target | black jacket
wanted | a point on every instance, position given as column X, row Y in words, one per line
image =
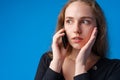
column 104, row 69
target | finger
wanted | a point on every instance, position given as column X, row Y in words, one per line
column 59, row 34
column 93, row 37
column 60, row 31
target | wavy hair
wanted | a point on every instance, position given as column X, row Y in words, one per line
column 101, row 44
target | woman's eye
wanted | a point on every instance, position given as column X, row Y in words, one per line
column 69, row 21
column 86, row 22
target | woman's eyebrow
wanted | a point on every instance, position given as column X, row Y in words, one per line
column 84, row 17
column 69, row 18
column 87, row 17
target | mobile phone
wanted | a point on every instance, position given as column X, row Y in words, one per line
column 65, row 41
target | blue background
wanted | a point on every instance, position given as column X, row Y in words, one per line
column 26, row 30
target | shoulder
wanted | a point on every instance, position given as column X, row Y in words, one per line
column 46, row 57
column 112, row 61
column 109, row 65
column 115, row 63
column 110, row 68
column 113, row 68
column 43, row 65
column 112, row 65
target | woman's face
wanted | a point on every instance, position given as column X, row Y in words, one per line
column 79, row 23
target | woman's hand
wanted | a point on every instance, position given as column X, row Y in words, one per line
column 84, row 53
column 59, row 52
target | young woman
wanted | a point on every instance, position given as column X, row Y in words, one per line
column 82, row 57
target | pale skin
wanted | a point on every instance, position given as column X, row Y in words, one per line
column 81, row 30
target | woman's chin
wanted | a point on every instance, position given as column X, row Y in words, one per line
column 77, row 46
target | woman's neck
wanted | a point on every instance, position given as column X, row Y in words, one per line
column 73, row 54
column 92, row 58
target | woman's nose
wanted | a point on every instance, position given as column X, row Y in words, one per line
column 77, row 28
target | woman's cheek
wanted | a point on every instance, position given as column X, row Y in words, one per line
column 88, row 33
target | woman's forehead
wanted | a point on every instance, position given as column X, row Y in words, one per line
column 78, row 9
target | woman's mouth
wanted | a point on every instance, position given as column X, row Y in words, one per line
column 77, row 39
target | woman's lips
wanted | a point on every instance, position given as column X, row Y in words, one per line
column 77, row 39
